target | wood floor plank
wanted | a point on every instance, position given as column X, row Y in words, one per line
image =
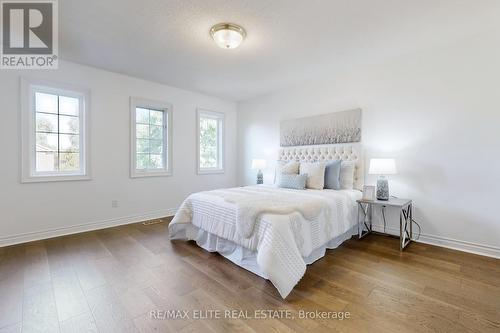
column 457, row 300
column 195, row 327
column 58, row 256
column 69, row 296
column 136, row 301
column 88, row 274
column 145, row 324
column 13, row 261
column 37, row 266
column 432, row 311
column 11, row 299
column 218, row 273
column 39, row 309
column 109, row 314
column 111, row 280
column 151, row 238
column 83, row 323
column 199, row 300
column 165, row 298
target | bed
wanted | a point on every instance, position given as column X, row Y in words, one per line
column 278, row 244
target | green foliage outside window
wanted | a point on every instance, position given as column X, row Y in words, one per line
column 208, row 143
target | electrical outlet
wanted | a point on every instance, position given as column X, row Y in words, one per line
column 114, row 204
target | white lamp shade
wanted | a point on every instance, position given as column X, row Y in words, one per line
column 258, row 164
column 382, row 166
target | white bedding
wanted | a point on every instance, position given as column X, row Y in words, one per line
column 253, row 202
column 281, row 241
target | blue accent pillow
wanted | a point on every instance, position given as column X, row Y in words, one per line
column 332, row 175
column 297, row 182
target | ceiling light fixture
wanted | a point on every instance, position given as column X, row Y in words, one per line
column 227, row 35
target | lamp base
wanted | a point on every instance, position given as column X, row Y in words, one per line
column 382, row 188
column 260, row 178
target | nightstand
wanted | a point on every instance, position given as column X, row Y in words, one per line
column 365, row 217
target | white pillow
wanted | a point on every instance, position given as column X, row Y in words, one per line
column 347, row 175
column 315, row 174
column 287, row 168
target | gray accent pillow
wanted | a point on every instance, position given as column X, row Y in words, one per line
column 297, row 182
column 332, row 174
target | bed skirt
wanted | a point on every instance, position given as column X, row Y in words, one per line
column 242, row 256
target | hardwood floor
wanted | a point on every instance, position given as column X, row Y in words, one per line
column 110, row 280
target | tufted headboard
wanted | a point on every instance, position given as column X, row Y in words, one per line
column 345, row 152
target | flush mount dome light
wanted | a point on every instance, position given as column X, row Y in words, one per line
column 227, row 35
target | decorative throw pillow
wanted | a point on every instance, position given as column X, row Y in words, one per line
column 297, row 182
column 332, row 174
column 347, row 175
column 285, row 168
column 316, row 174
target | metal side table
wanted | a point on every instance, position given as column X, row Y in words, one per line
column 365, row 217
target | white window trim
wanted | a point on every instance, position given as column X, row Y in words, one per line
column 28, row 137
column 167, row 140
column 221, row 117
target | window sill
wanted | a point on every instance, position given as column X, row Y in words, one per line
column 210, row 171
column 145, row 174
column 46, row 179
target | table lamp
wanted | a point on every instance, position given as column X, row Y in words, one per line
column 382, row 167
column 259, row 164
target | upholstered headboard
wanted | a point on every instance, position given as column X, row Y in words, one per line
column 345, row 152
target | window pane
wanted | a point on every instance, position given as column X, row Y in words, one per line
column 208, row 143
column 46, row 142
column 69, row 106
column 69, row 124
column 142, row 131
column 149, row 132
column 156, row 146
column 142, row 146
column 45, row 103
column 69, row 161
column 156, row 162
column 69, row 143
column 142, row 116
column 57, row 131
column 46, row 161
column 156, row 117
column 142, row 161
column 46, row 122
column 156, row 132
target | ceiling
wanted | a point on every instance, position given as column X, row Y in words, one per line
column 288, row 41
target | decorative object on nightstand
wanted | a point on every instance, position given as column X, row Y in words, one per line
column 368, row 192
column 259, row 164
column 382, row 167
column 405, row 206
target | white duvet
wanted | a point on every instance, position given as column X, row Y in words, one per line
column 252, row 202
column 282, row 226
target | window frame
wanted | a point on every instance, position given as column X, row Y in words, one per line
column 167, row 138
column 221, row 146
column 29, row 174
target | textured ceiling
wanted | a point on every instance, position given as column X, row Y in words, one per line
column 288, row 41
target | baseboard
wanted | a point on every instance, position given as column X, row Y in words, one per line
column 454, row 244
column 74, row 229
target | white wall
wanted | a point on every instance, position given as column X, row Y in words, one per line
column 30, row 211
column 437, row 112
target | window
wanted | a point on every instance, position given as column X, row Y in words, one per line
column 210, row 142
column 55, row 132
column 151, row 138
